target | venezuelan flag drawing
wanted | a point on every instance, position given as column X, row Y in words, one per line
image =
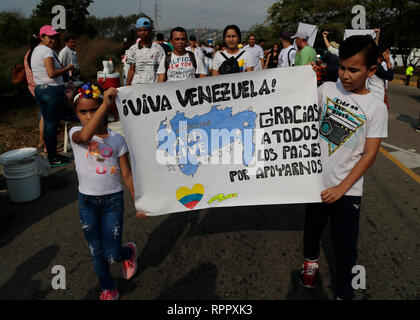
column 190, row 197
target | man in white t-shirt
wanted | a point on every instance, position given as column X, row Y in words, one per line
column 145, row 56
column 288, row 53
column 256, row 51
column 180, row 64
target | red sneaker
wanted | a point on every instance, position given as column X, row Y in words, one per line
column 308, row 275
column 129, row 267
column 109, row 295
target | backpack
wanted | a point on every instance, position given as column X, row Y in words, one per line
column 19, row 74
column 230, row 65
column 288, row 57
column 169, row 56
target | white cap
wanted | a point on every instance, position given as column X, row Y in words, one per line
column 301, row 35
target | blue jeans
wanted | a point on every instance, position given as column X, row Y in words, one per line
column 51, row 102
column 102, row 220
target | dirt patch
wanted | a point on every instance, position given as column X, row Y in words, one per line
column 19, row 128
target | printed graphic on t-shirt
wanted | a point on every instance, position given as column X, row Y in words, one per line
column 100, row 158
column 339, row 123
column 181, row 68
column 241, row 63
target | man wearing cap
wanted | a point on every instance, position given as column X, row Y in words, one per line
column 306, row 54
column 288, row 53
column 145, row 56
column 208, row 54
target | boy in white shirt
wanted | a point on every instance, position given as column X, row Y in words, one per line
column 352, row 123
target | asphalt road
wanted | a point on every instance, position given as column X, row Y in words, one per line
column 232, row 253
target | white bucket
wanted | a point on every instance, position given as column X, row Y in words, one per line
column 21, row 173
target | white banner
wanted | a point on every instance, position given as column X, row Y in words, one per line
column 357, row 32
column 234, row 140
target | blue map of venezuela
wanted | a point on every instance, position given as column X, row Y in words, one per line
column 202, row 136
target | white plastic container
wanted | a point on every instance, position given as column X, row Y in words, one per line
column 22, row 174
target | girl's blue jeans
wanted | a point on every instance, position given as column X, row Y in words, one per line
column 102, row 221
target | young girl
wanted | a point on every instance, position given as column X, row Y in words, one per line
column 101, row 161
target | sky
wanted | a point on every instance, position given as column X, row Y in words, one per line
column 186, row 13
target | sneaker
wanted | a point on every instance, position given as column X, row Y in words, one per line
column 129, row 267
column 308, row 275
column 109, row 295
column 418, row 129
column 59, row 160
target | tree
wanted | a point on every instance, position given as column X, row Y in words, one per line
column 398, row 20
column 12, row 22
column 115, row 28
column 76, row 13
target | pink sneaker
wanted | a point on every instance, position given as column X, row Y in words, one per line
column 129, row 267
column 109, row 295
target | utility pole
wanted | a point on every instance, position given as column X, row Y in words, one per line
column 158, row 11
column 139, row 6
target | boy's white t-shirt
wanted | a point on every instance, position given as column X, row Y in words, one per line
column 38, row 67
column 346, row 121
column 181, row 67
column 285, row 55
column 97, row 165
column 246, row 60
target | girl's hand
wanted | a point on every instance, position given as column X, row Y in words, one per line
column 70, row 67
column 325, row 33
column 141, row 214
column 386, row 56
column 109, row 96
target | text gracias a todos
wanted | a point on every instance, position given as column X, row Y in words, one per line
column 279, row 115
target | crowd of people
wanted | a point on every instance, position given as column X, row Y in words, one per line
column 357, row 71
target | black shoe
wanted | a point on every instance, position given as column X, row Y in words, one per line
column 59, row 160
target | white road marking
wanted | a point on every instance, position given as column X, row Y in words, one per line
column 406, row 157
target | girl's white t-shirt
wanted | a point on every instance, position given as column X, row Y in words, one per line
column 245, row 60
column 97, row 165
column 38, row 67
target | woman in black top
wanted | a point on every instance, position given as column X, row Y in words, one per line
column 273, row 57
